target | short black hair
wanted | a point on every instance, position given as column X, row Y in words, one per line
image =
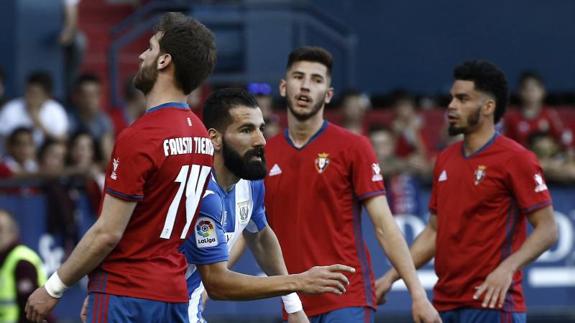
column 530, row 75
column 487, row 78
column 86, row 78
column 217, row 107
column 11, row 139
column 311, row 54
column 42, row 79
column 192, row 47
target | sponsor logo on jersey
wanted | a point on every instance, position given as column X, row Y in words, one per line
column 480, row 174
column 276, row 170
column 442, row 176
column 376, row 173
column 244, row 208
column 206, row 233
column 540, row 185
column 321, row 162
column 115, row 164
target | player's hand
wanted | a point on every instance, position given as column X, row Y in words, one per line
column 39, row 305
column 298, row 317
column 424, row 312
column 84, row 311
column 382, row 287
column 495, row 287
column 325, row 279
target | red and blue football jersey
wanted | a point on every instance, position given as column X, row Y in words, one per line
column 481, row 202
column 313, row 202
column 162, row 162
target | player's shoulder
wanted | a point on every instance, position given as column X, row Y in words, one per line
column 345, row 138
column 257, row 186
column 510, row 146
column 212, row 204
column 450, row 150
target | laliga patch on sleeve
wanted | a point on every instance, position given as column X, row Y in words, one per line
column 206, row 233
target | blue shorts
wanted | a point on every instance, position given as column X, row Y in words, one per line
column 472, row 315
column 346, row 315
column 104, row 308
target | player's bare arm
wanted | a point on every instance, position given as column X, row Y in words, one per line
column 224, row 284
column 96, row 244
column 544, row 235
column 422, row 251
column 393, row 242
column 267, row 251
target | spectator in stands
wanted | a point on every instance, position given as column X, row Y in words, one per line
column 36, row 110
column 556, row 164
column 84, row 158
column 407, row 126
column 354, row 104
column 52, row 158
column 21, row 158
column 263, row 94
column 21, row 271
column 533, row 116
column 88, row 115
column 403, row 188
column 73, row 42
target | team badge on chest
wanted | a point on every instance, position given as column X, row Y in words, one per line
column 244, row 211
column 321, row 162
column 480, row 174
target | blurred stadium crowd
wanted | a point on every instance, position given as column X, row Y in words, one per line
column 61, row 145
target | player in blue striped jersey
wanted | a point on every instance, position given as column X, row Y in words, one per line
column 233, row 206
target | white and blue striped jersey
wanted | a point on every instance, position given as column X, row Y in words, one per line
column 222, row 218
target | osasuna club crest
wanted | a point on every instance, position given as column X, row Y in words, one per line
column 321, row 162
column 480, row 174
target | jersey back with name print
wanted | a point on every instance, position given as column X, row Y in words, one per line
column 162, row 162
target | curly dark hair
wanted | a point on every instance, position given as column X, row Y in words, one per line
column 487, row 78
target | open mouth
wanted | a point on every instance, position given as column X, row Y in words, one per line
column 303, row 100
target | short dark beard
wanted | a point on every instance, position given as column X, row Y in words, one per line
column 472, row 121
column 145, row 79
column 305, row 116
column 242, row 166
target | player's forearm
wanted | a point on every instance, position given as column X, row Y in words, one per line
column 397, row 251
column 267, row 251
column 230, row 285
column 87, row 255
column 422, row 251
column 543, row 236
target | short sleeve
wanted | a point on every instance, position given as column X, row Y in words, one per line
column 258, row 220
column 526, row 181
column 366, row 174
column 129, row 168
column 207, row 245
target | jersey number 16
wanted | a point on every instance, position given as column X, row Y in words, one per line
column 194, row 185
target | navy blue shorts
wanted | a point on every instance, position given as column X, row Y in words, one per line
column 472, row 315
column 346, row 315
column 103, row 308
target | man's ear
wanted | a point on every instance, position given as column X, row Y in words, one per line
column 216, row 137
column 164, row 61
column 329, row 95
column 282, row 88
column 489, row 106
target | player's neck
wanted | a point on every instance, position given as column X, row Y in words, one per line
column 224, row 177
column 301, row 131
column 163, row 93
column 474, row 141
